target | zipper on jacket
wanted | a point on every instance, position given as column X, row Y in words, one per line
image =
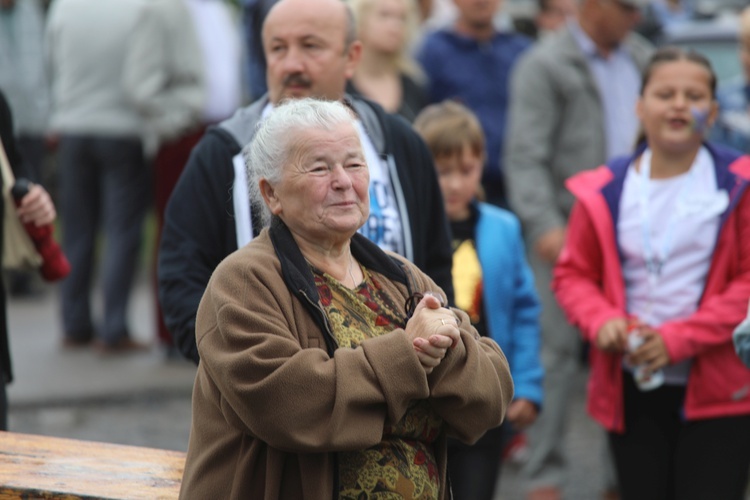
column 331, row 347
column 398, row 190
column 411, row 281
column 327, row 331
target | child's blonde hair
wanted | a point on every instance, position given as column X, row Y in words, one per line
column 447, row 127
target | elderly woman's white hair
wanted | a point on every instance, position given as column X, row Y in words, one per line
column 273, row 143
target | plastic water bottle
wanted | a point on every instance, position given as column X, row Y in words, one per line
column 643, row 379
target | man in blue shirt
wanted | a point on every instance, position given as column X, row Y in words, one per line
column 470, row 61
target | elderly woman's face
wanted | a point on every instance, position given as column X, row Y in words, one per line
column 323, row 191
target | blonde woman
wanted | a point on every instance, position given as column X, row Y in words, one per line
column 386, row 73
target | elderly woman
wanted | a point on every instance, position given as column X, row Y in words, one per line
column 322, row 375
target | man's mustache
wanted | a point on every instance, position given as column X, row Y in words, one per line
column 297, row 79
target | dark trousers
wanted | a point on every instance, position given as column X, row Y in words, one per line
column 474, row 469
column 663, row 457
column 105, row 185
column 168, row 166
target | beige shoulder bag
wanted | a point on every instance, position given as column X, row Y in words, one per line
column 19, row 252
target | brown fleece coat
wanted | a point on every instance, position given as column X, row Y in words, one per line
column 271, row 407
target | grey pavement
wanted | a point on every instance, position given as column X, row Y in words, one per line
column 144, row 400
column 137, row 399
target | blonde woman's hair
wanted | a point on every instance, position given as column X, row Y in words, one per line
column 403, row 60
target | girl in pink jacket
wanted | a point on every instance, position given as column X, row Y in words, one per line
column 658, row 247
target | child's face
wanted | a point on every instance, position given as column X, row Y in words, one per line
column 459, row 177
column 677, row 106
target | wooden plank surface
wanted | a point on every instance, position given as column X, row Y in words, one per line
column 56, row 468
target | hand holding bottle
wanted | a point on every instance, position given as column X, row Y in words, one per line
column 647, row 355
column 613, row 335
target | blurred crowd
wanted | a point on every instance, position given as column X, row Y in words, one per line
column 112, row 99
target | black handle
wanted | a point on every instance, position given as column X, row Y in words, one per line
column 20, row 188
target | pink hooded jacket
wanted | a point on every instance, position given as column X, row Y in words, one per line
column 589, row 286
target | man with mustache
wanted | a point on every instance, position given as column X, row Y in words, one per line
column 311, row 51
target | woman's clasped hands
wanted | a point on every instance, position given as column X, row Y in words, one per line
column 433, row 330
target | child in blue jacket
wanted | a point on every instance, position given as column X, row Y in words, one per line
column 492, row 283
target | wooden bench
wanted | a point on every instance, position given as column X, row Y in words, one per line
column 41, row 467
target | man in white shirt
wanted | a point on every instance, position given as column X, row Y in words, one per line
column 183, row 74
column 104, row 180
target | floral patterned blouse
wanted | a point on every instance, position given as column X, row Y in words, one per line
column 403, row 464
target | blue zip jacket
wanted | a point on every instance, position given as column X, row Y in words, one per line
column 511, row 305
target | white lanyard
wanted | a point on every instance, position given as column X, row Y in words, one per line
column 655, row 258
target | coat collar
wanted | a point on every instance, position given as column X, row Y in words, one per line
column 732, row 170
column 300, row 281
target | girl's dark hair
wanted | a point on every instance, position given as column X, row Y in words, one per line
column 671, row 54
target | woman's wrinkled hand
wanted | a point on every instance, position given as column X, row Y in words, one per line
column 613, row 336
column 36, row 207
column 431, row 351
column 433, row 330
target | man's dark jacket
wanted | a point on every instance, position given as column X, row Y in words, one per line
column 200, row 225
